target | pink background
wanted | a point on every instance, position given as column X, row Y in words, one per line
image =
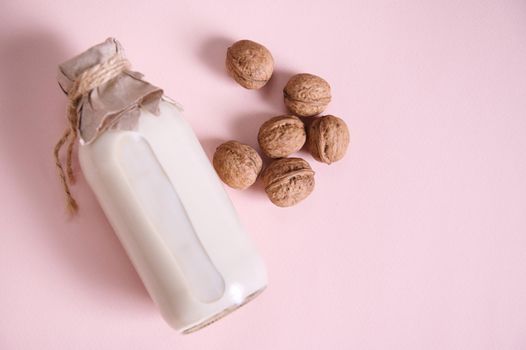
column 416, row 240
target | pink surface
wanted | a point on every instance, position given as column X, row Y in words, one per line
column 416, row 240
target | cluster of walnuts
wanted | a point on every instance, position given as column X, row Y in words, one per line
column 287, row 181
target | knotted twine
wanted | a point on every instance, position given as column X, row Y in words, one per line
column 88, row 80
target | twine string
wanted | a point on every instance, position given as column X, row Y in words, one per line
column 87, row 81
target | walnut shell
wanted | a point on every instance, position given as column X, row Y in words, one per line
column 249, row 63
column 328, row 139
column 237, row 164
column 281, row 136
column 306, row 94
column 288, row 181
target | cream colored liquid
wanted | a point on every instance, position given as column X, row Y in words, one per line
column 174, row 218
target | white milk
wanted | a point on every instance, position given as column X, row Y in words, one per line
column 173, row 217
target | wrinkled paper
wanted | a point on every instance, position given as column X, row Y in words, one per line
column 114, row 104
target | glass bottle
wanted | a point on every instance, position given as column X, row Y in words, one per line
column 162, row 197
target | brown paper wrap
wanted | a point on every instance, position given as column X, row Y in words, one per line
column 114, row 104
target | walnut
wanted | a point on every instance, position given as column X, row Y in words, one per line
column 249, row 63
column 281, row 136
column 237, row 164
column 307, row 95
column 328, row 138
column 288, row 181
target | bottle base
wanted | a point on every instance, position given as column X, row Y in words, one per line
column 223, row 313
